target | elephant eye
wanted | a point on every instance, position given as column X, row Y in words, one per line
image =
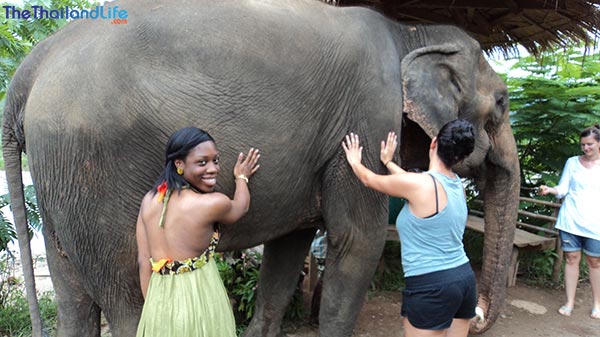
column 502, row 101
column 456, row 84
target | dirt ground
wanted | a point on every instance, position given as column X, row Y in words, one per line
column 528, row 312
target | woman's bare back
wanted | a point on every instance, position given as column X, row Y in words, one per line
column 188, row 226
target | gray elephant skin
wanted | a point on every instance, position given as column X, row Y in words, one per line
column 94, row 104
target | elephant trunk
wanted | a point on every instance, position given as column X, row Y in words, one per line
column 501, row 201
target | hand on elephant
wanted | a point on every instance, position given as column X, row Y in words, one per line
column 353, row 149
column 248, row 166
column 388, row 148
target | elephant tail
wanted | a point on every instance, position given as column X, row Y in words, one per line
column 13, row 144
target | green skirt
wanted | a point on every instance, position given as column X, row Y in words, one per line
column 194, row 303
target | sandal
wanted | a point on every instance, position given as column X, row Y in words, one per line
column 595, row 314
column 565, row 311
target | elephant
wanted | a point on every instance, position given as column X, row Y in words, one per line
column 92, row 106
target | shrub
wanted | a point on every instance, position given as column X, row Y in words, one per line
column 14, row 310
column 239, row 271
column 7, row 232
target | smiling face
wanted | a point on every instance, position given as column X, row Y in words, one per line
column 590, row 146
column 201, row 166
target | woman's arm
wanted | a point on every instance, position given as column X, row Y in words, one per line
column 563, row 185
column 386, row 155
column 143, row 254
column 394, row 168
column 565, row 179
column 243, row 170
column 232, row 210
column 400, row 184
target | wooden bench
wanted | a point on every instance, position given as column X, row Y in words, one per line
column 527, row 236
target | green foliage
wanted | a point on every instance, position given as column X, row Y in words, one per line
column 14, row 311
column 538, row 266
column 537, row 209
column 552, row 100
column 7, row 231
column 14, row 317
column 559, row 97
column 473, row 243
column 239, row 271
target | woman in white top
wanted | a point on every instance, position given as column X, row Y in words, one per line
column 578, row 219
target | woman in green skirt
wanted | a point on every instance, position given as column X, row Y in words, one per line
column 177, row 234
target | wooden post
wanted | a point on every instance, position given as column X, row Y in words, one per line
column 513, row 267
column 558, row 249
column 558, row 262
column 312, row 272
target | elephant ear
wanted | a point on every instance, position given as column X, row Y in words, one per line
column 432, row 86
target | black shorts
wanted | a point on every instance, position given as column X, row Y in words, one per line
column 432, row 300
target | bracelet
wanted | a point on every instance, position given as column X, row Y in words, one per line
column 242, row 176
column 386, row 164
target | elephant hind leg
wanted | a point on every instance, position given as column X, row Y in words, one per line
column 78, row 319
column 123, row 307
column 124, row 327
column 78, row 314
column 282, row 263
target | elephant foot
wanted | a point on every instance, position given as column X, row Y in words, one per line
column 255, row 330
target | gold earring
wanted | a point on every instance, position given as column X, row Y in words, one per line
column 180, row 171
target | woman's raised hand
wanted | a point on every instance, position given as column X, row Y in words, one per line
column 388, row 148
column 247, row 166
column 353, row 149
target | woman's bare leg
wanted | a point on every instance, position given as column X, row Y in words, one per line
column 459, row 328
column 411, row 331
column 571, row 278
column 594, row 266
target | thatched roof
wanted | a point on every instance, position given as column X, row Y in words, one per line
column 501, row 24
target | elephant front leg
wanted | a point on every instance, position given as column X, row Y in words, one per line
column 282, row 263
column 346, row 280
column 356, row 230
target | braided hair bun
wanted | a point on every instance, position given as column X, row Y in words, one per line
column 456, row 141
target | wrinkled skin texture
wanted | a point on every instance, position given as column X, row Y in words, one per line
column 93, row 106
